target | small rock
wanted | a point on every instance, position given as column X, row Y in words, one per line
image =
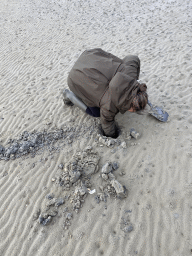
column 104, row 176
column 106, row 168
column 123, row 144
column 102, row 140
column 12, row 150
column 81, row 190
column 12, row 157
column 129, row 138
column 110, row 143
column 24, row 146
column 59, row 202
column 65, row 209
column 134, row 134
column 41, row 219
column 120, row 190
column 61, row 166
column 115, row 166
column 88, row 148
column 97, row 198
column 77, row 204
column 36, row 215
column 2, row 149
column 101, row 188
column 53, row 212
column 128, row 229
column 122, row 173
column 69, row 216
column 111, row 176
column 44, row 221
column 50, row 196
column 101, row 196
column 44, row 215
column 74, row 176
column 51, row 202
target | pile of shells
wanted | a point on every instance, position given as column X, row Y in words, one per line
column 111, row 187
column 74, row 179
column 49, row 209
column 82, row 165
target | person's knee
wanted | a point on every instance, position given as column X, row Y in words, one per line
column 136, row 59
column 130, row 59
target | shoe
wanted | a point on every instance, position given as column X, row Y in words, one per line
column 66, row 100
column 70, row 98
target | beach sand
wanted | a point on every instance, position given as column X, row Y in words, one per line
column 39, row 43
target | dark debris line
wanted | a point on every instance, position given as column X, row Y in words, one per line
column 31, row 143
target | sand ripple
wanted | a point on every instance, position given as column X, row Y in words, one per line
column 40, row 41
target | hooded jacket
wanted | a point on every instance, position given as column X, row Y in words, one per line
column 100, row 79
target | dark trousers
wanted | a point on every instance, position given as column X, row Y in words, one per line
column 95, row 111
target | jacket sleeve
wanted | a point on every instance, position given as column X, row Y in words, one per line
column 108, row 122
column 108, row 112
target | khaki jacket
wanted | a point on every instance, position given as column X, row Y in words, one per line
column 103, row 80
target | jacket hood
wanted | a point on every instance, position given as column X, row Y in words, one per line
column 123, row 89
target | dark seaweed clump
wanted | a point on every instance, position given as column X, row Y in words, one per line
column 31, row 143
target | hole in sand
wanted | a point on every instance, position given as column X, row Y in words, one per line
column 101, row 252
column 101, row 132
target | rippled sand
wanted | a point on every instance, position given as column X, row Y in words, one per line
column 40, row 41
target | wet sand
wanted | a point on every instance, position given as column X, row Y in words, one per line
column 40, row 41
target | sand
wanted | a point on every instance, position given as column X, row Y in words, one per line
column 40, row 41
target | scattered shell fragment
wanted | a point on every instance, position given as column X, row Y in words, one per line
column 104, row 176
column 123, row 145
column 120, row 190
column 134, row 134
column 107, row 168
column 92, row 191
